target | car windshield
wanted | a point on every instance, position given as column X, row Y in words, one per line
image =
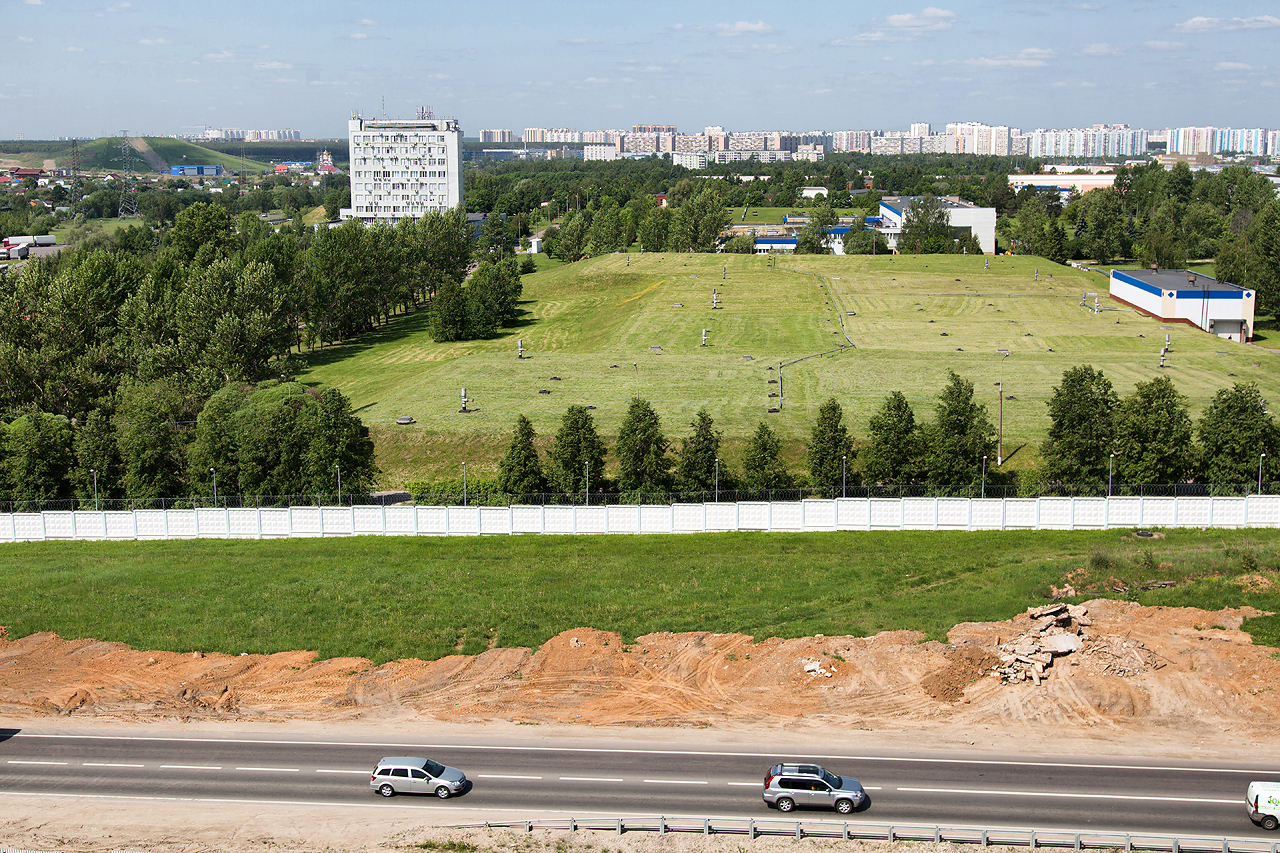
column 832, row 780
column 436, row 770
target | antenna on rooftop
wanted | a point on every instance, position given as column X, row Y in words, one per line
column 425, row 114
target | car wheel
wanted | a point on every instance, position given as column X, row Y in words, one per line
column 1270, row 822
column 442, row 792
column 844, row 806
column 386, row 791
column 786, row 804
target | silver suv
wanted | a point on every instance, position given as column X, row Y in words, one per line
column 787, row 786
column 417, row 776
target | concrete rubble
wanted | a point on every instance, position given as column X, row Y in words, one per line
column 1056, row 630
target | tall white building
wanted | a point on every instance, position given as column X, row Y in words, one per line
column 403, row 168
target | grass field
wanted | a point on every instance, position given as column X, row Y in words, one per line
column 387, row 598
column 915, row 318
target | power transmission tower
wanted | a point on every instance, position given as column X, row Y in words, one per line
column 77, row 188
column 128, row 185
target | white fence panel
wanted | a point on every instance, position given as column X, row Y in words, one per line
column 886, row 514
column 953, row 513
column 1159, row 512
column 1021, row 513
column 463, row 520
column 787, row 516
column 368, row 520
column 276, row 522
column 211, row 523
column 987, row 514
column 119, row 525
column 336, row 521
column 655, row 519
column 688, row 518
column 1264, row 511
column 91, row 525
column 919, row 513
column 242, row 523
column 1055, row 513
column 28, row 526
column 592, row 519
column 60, row 524
column 818, row 515
column 1192, row 512
column 526, row 519
column 1227, row 512
column 722, row 516
column 180, row 524
column 1124, row 512
column 754, row 515
column 6, row 527
column 1089, row 513
column 305, row 521
column 432, row 521
column 399, row 520
column 495, row 520
column 153, row 523
column 853, row 513
column 557, row 519
column 624, row 519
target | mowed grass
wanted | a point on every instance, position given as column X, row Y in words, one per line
column 389, row 598
column 594, row 324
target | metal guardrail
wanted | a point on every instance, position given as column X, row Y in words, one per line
column 1030, row 838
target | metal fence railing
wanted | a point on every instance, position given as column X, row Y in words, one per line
column 1004, row 837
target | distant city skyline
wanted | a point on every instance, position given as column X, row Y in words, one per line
column 97, row 68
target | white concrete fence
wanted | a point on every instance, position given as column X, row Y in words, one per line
column 789, row 516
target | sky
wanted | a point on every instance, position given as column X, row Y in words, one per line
column 149, row 68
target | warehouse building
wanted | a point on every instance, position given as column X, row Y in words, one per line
column 1182, row 296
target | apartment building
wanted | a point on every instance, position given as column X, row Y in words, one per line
column 403, row 168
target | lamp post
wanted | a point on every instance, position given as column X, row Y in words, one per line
column 586, row 483
column 215, row 487
column 717, row 479
column 464, row 484
column 1111, row 467
column 94, row 472
column 844, row 476
column 1260, row 458
column 984, row 476
column 636, row 365
column 1004, row 353
column 339, row 472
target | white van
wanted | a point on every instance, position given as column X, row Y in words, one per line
column 1263, row 802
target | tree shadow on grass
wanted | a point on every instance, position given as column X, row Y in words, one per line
column 398, row 329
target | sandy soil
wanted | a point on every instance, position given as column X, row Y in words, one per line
column 1147, row 681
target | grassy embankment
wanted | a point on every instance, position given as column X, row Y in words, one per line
column 583, row 319
column 387, row 598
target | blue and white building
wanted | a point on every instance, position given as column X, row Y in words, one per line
column 1182, row 296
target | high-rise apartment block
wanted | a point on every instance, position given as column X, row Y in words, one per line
column 403, row 168
column 497, row 136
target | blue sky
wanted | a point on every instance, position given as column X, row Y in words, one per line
column 94, row 68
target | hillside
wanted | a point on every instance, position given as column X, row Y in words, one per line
column 104, row 153
column 594, row 325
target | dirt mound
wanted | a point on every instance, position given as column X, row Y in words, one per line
column 1173, row 670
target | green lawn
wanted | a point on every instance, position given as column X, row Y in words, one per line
column 775, row 214
column 593, row 324
column 387, row 598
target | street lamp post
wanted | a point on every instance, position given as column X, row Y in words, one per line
column 215, row 487
column 717, row 479
column 1004, row 353
column 1111, row 467
column 984, row 476
column 464, row 484
column 1260, row 458
column 94, row 472
column 586, row 484
column 844, row 476
column 636, row 365
column 339, row 472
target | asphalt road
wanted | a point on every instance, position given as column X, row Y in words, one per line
column 535, row 779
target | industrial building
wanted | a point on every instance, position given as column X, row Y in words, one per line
column 403, row 168
column 964, row 216
column 1182, row 296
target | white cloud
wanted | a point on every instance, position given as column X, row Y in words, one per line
column 153, row 41
column 26, row 39
column 1101, row 49
column 931, row 19
column 33, row 2
column 1223, row 25
column 111, row 10
column 728, row 30
column 1163, row 45
column 358, row 36
column 73, row 50
column 272, row 66
column 220, row 56
column 1232, row 66
column 1031, row 57
column 368, row 23
column 864, row 38
column 187, row 80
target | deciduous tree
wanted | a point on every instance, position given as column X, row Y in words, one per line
column 643, row 464
column 1153, row 435
column 1081, row 427
column 830, row 448
column 520, row 471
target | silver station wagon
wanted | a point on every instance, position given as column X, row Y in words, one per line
column 417, row 776
column 791, row 786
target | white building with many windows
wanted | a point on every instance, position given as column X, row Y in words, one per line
column 403, row 168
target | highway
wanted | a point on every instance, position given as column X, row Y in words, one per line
column 534, row 779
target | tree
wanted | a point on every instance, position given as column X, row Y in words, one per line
column 335, row 439
column 959, row 437
column 37, row 457
column 643, row 464
column 830, row 447
column 202, row 226
column 151, row 429
column 449, row 313
column 1153, row 435
column 895, row 449
column 813, row 237
column 926, row 227
column 520, row 471
column 762, row 467
column 696, row 468
column 577, row 447
column 1235, row 431
column 860, row 241
column 652, row 234
column 94, row 444
column 1081, row 427
column 742, row 244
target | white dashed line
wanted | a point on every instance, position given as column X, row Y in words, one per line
column 1067, row 795
column 100, row 764
column 361, row 772
column 501, row 776
column 587, row 779
column 17, row 761
column 187, row 767
column 674, row 782
column 745, row 784
column 270, row 769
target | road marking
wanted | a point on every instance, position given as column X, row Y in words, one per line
column 103, row 764
column 1064, row 795
column 1269, row 772
column 16, row 761
column 587, row 779
column 187, row 767
column 745, row 784
column 270, row 769
column 361, row 772
column 502, row 776
column 674, row 782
